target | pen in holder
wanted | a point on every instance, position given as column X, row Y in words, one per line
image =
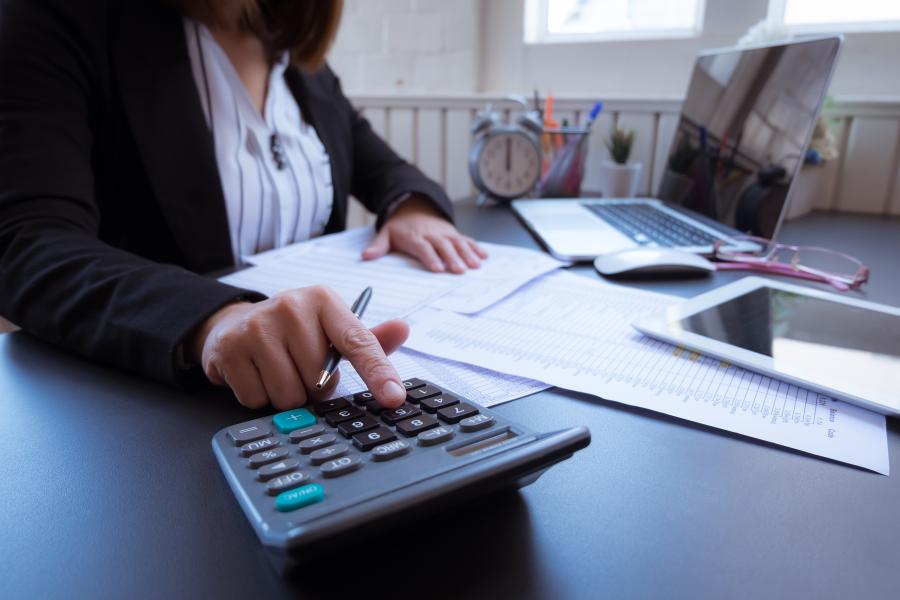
column 564, row 153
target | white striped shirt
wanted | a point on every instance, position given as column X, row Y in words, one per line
column 267, row 206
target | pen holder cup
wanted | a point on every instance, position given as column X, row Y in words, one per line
column 564, row 151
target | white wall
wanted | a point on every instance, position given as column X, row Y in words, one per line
column 869, row 66
column 408, row 46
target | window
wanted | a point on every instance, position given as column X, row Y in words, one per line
column 825, row 16
column 602, row 20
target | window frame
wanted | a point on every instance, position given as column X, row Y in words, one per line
column 775, row 15
column 538, row 32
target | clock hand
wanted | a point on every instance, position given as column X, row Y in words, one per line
column 508, row 154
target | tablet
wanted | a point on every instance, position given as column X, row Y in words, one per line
column 837, row 345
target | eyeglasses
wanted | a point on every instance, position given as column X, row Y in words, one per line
column 842, row 271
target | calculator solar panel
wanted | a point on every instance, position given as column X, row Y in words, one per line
column 338, row 467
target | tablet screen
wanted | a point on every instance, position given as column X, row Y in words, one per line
column 841, row 346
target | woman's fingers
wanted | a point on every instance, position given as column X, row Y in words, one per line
column 280, row 377
column 447, row 251
column 359, row 345
column 420, row 248
column 244, row 380
column 465, row 250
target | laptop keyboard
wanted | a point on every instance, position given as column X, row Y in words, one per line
column 647, row 225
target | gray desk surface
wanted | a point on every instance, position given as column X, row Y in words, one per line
column 108, row 488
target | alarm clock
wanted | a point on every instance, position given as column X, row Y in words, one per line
column 505, row 159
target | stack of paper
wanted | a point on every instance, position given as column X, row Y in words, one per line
column 574, row 332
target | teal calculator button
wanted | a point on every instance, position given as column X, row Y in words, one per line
column 299, row 497
column 290, row 420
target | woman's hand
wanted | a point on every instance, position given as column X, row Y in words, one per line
column 273, row 351
column 417, row 228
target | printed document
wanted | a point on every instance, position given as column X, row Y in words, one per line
column 574, row 332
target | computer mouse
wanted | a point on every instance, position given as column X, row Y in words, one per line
column 653, row 261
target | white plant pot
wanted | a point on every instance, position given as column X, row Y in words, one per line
column 619, row 181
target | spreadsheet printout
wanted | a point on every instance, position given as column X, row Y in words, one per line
column 400, row 282
column 575, row 333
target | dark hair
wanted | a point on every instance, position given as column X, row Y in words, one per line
column 305, row 28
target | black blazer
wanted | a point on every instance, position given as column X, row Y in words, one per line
column 110, row 198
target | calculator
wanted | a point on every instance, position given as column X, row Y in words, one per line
column 316, row 475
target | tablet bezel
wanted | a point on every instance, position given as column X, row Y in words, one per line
column 664, row 327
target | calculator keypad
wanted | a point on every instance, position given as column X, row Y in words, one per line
column 330, row 439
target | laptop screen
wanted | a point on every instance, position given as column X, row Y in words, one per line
column 744, row 129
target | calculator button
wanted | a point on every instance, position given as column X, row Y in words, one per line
column 435, row 436
column 364, row 423
column 285, row 482
column 411, row 384
column 398, row 414
column 433, row 404
column 306, row 433
column 420, row 393
column 341, row 466
column 325, row 406
column 314, row 443
column 275, row 469
column 369, row 439
column 259, row 446
column 363, row 397
column 269, row 456
column 345, row 414
column 374, row 407
column 324, row 454
column 241, row 434
column 416, row 425
column 390, row 450
column 300, row 497
column 290, row 420
column 476, row 423
column 457, row 412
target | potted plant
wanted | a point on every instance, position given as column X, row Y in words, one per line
column 675, row 184
column 617, row 178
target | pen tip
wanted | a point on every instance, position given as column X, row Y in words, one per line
column 324, row 376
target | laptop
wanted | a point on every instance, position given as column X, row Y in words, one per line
column 741, row 138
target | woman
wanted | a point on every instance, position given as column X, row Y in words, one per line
column 144, row 142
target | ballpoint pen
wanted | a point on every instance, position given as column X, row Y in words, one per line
column 334, row 357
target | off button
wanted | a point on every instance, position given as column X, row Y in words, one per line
column 300, row 497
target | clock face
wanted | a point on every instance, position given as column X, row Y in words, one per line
column 509, row 164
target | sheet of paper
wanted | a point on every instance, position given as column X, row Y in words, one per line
column 575, row 333
column 487, row 388
column 401, row 283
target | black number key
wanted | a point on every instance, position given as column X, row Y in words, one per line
column 404, row 411
column 457, row 412
column 420, row 393
column 345, row 414
column 413, row 383
column 375, row 437
column 325, row 406
column 433, row 404
column 412, row 427
column 363, row 397
column 374, row 407
column 364, row 423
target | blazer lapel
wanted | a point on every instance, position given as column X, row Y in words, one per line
column 174, row 142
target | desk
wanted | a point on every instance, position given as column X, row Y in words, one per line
column 109, row 489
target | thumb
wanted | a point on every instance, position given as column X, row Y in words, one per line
column 391, row 334
column 380, row 246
